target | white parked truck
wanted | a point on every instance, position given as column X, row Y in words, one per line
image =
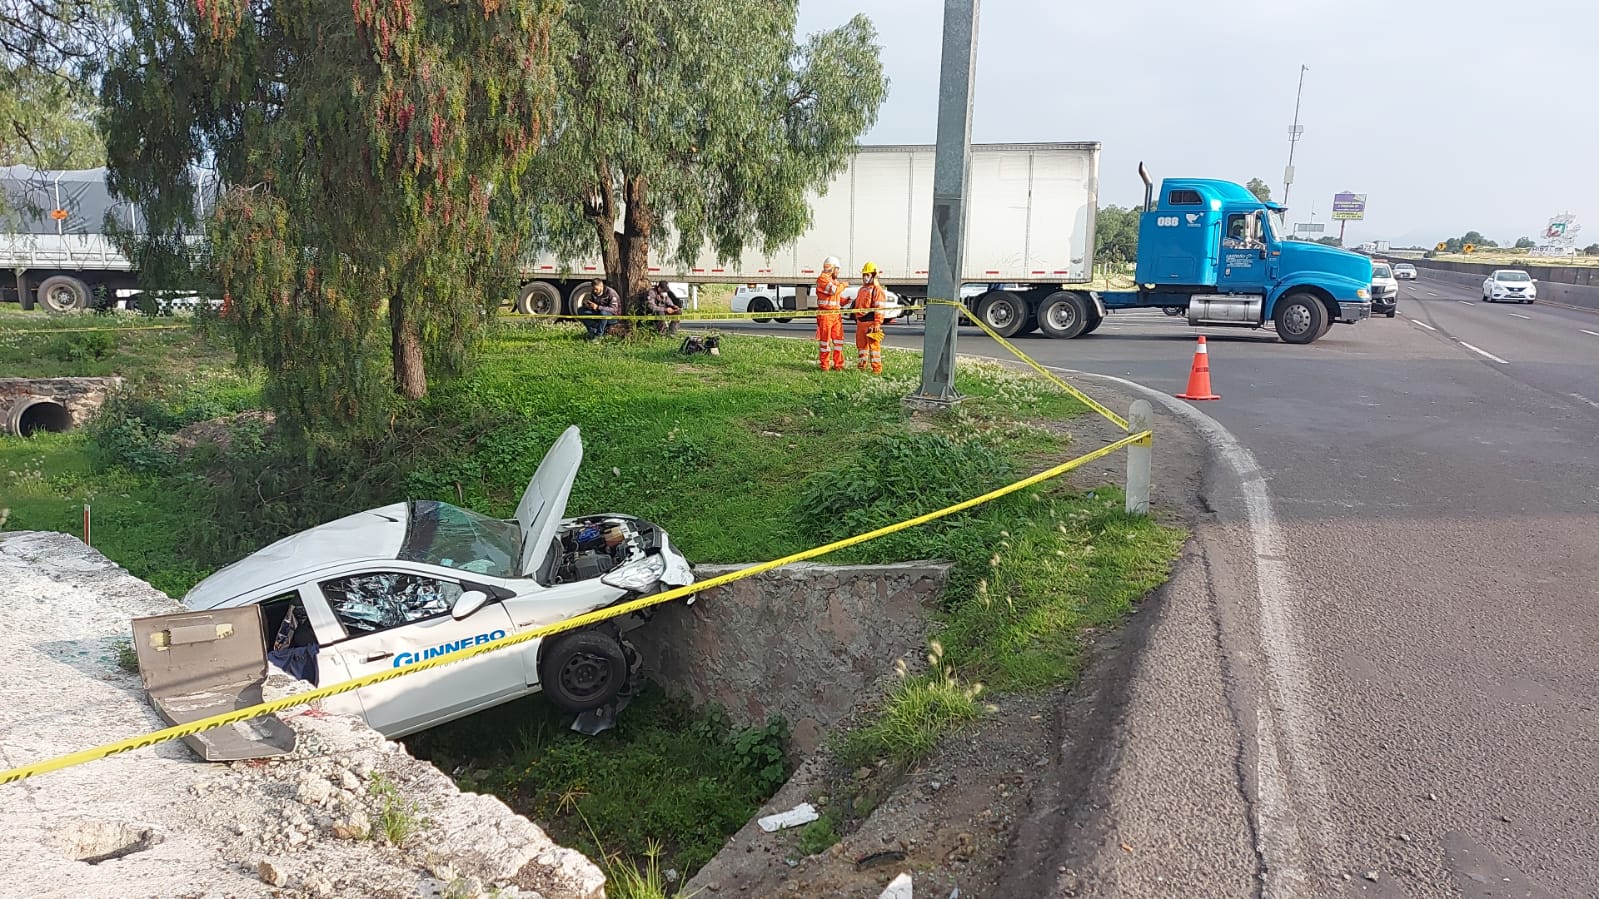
column 53, row 241
column 1029, row 224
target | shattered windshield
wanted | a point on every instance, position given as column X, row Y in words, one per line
column 453, row 537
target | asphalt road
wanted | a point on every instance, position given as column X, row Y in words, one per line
column 1397, row 590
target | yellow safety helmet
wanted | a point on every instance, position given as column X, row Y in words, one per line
column 869, row 268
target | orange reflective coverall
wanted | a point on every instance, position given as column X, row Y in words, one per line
column 869, row 327
column 829, row 328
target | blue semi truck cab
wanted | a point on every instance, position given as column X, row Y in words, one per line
column 1213, row 251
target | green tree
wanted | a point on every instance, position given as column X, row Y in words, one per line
column 1330, row 241
column 47, row 123
column 701, row 115
column 1591, row 250
column 1260, row 189
column 1524, row 243
column 1475, row 238
column 1116, row 234
column 370, row 156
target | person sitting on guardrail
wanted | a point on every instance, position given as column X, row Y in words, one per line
column 659, row 301
column 602, row 302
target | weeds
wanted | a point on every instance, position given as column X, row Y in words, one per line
column 399, row 818
column 818, row 836
column 127, row 656
column 917, row 714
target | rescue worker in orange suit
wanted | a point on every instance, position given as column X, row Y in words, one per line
column 869, row 301
column 830, row 328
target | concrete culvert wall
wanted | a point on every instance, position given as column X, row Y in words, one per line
column 807, row 642
column 33, row 414
column 32, row 405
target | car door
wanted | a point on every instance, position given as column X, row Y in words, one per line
column 1243, row 254
column 391, row 618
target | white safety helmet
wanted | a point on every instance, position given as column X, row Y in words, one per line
column 831, row 262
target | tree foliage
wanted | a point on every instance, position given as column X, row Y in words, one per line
column 1473, row 238
column 370, row 155
column 1524, row 243
column 1330, row 241
column 47, row 123
column 1116, row 234
column 1591, row 250
column 701, row 115
column 1260, row 189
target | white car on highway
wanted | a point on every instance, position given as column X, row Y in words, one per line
column 415, row 580
column 775, row 299
column 1509, row 285
column 1384, row 290
column 1404, row 271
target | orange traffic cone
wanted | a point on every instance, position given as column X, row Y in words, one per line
column 1199, row 376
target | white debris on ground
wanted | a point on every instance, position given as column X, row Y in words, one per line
column 160, row 822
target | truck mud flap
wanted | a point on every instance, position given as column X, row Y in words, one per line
column 197, row 664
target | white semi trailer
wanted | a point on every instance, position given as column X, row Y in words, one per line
column 1029, row 225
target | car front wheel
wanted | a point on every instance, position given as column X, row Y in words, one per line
column 583, row 671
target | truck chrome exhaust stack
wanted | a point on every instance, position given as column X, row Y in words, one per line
column 1149, row 187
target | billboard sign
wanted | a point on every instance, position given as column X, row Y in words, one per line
column 1348, row 207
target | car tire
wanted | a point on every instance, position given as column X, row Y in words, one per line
column 1172, row 311
column 762, row 304
column 1392, row 314
column 1299, row 318
column 582, row 671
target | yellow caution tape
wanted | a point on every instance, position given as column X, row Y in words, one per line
column 266, row 708
column 1082, row 397
column 721, row 316
column 79, row 330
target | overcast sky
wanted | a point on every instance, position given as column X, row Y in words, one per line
column 1448, row 115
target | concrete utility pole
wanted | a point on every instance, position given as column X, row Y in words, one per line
column 952, row 161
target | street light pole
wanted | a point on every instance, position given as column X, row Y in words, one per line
column 951, row 162
column 1294, row 134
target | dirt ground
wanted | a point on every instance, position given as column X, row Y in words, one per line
column 955, row 821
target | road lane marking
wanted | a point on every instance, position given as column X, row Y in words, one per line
column 1431, row 294
column 1464, row 302
column 1417, row 321
column 1519, row 315
column 1482, row 352
column 1292, row 808
column 1586, row 331
column 1585, row 399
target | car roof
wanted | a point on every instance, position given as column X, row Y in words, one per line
column 374, row 534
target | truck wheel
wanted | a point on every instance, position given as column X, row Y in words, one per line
column 762, row 304
column 1172, row 311
column 538, row 298
column 583, row 670
column 1299, row 318
column 63, row 293
column 1064, row 315
column 1094, row 321
column 1003, row 311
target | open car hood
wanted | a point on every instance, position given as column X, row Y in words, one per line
column 544, row 504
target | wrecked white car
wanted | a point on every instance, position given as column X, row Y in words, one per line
column 415, row 580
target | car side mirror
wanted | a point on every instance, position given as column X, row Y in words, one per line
column 469, row 602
